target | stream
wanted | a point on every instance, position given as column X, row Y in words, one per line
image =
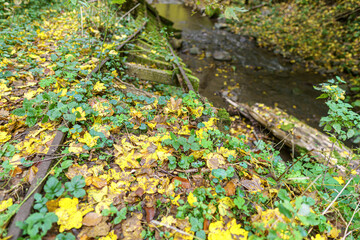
column 253, row 75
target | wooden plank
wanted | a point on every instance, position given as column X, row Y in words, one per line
column 25, row 209
column 150, row 74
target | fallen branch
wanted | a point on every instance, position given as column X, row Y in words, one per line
column 128, row 12
column 337, row 196
column 175, row 229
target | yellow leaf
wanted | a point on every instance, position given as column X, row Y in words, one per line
column 169, row 220
column 68, row 214
column 111, row 236
column 76, row 148
column 339, row 180
column 225, row 206
column 191, row 199
column 318, row 237
column 81, row 112
column 5, row 204
column 175, row 200
column 89, row 140
column 114, row 73
column 334, row 233
column 4, row 137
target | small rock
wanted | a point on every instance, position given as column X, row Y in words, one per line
column 208, row 54
column 222, row 56
column 195, row 51
column 221, row 26
column 176, row 43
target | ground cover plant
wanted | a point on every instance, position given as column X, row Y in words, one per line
column 155, row 163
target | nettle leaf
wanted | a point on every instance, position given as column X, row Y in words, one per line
column 287, row 213
column 75, row 186
column 239, row 202
column 219, row 173
column 19, row 112
column 53, row 57
column 31, row 121
column 121, row 215
column 196, row 224
column 53, row 188
column 65, row 236
column 350, row 133
column 337, row 127
column 304, row 210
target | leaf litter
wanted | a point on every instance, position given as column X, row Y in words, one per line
column 134, row 166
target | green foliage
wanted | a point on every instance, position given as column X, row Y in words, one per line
column 53, row 188
column 118, row 215
column 341, row 119
column 5, row 216
column 75, row 186
column 37, row 225
column 65, row 236
column 40, row 203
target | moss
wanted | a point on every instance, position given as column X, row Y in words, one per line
column 224, row 119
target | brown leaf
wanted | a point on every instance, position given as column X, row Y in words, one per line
column 150, row 213
column 99, row 230
column 52, row 205
column 139, row 192
column 206, row 224
column 184, row 182
column 16, row 171
column 252, row 185
column 99, row 182
column 4, row 114
column 76, row 169
column 230, row 188
column 131, row 227
column 91, row 219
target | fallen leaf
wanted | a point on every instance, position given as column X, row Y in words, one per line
column 150, row 213
column 184, row 182
column 91, row 219
column 131, row 227
column 230, row 188
column 139, row 192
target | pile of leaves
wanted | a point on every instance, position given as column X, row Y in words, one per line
column 155, row 163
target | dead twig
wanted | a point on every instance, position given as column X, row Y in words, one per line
column 175, row 229
column 337, row 196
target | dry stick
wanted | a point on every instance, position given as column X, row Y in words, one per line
column 98, row 67
column 27, row 203
column 352, row 217
column 312, row 183
column 337, row 196
column 127, row 13
column 175, row 229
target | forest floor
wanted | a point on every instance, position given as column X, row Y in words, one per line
column 155, row 163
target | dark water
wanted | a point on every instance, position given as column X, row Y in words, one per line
column 254, row 74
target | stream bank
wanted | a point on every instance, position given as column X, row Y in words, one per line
column 252, row 75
